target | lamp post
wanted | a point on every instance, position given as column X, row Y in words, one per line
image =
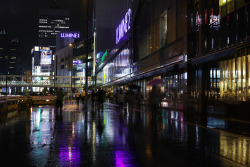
column 55, row 72
column 86, row 60
column 7, row 71
column 71, row 73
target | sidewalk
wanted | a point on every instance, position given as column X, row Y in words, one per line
column 216, row 116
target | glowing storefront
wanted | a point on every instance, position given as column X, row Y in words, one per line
column 234, row 75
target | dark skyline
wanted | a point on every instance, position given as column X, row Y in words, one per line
column 20, row 19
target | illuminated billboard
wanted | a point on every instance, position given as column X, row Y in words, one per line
column 46, row 56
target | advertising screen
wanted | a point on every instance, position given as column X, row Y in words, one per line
column 46, row 56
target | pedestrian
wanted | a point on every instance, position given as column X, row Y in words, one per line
column 93, row 97
column 154, row 99
column 83, row 97
column 100, row 97
column 117, row 92
column 59, row 99
column 121, row 98
column 77, row 97
column 130, row 98
column 138, row 97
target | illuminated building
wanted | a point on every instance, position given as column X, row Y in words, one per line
column 10, row 56
column 63, row 62
column 79, row 60
column 51, row 22
column 70, row 61
column 200, row 50
column 42, row 64
column 10, row 52
column 219, row 49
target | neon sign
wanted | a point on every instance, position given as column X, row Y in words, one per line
column 124, row 26
column 214, row 20
column 70, row 35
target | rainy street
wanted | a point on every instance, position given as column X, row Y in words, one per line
column 111, row 136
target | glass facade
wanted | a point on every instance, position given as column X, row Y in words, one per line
column 223, row 23
column 174, row 85
column 117, row 68
column 235, row 79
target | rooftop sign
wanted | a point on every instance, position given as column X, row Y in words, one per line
column 70, row 35
column 124, row 26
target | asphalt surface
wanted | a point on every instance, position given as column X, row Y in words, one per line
column 111, row 136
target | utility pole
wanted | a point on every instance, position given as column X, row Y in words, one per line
column 55, row 69
column 87, row 52
column 7, row 72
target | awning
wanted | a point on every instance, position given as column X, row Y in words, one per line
column 150, row 73
column 159, row 71
column 182, row 65
column 214, row 56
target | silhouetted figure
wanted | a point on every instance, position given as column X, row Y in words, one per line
column 121, row 99
column 138, row 97
column 100, row 98
column 93, row 97
column 83, row 97
column 130, row 98
column 77, row 97
column 154, row 100
column 59, row 99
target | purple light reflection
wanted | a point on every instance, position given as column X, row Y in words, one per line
column 70, row 155
column 122, row 158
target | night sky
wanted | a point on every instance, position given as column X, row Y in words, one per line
column 20, row 18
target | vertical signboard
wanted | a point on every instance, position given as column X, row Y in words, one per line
column 28, row 76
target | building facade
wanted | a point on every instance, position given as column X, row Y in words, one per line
column 51, row 22
column 70, row 61
column 42, row 65
column 218, row 45
column 106, row 15
column 152, row 48
column 200, row 50
column 10, row 54
column 82, row 50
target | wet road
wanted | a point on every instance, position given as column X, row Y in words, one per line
column 111, row 137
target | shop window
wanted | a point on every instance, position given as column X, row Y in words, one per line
column 234, row 79
column 240, row 3
column 214, row 92
column 226, row 6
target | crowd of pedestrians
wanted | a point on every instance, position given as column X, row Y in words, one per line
column 130, row 99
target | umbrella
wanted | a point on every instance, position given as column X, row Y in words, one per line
column 156, row 81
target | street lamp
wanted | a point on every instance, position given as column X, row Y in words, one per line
column 86, row 61
column 71, row 73
column 7, row 72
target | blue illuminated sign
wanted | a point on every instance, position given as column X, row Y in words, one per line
column 124, row 26
column 70, row 35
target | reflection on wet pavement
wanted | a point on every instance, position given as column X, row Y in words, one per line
column 114, row 137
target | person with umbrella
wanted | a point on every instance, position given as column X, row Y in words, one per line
column 155, row 96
